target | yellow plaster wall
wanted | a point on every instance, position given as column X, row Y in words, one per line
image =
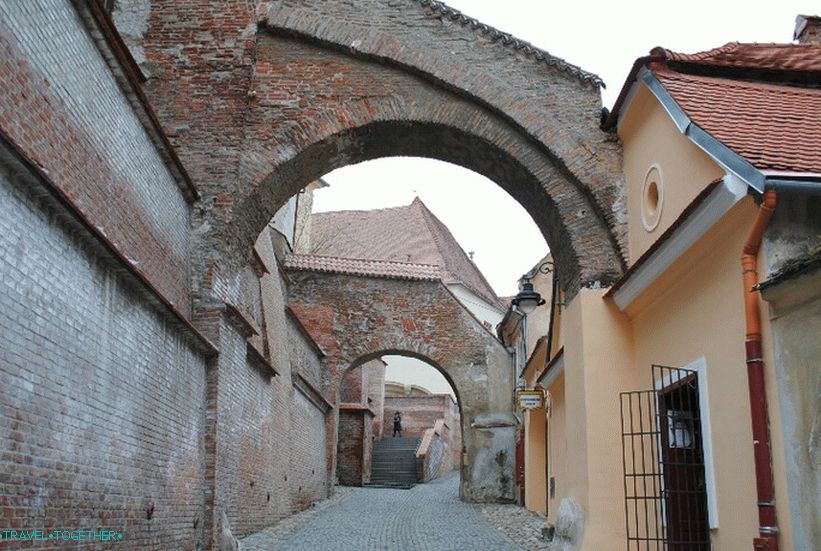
column 557, row 453
column 696, row 310
column 598, row 365
column 534, row 435
column 535, row 497
column 650, row 137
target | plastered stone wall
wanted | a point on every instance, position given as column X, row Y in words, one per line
column 794, row 310
column 355, row 319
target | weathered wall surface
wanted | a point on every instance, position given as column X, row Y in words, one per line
column 355, row 319
column 307, row 469
column 258, row 109
column 794, row 231
column 102, row 399
column 376, row 394
column 419, row 413
column 62, row 106
column 353, row 467
column 796, row 324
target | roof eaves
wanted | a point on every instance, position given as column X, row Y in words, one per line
column 721, row 154
column 699, row 216
column 793, row 269
column 471, row 314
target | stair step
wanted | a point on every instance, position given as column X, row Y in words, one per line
column 393, row 463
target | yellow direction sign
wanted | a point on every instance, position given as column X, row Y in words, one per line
column 530, row 399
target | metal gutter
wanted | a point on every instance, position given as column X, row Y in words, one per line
column 759, row 415
column 808, row 187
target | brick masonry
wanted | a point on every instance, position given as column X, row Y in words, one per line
column 355, row 319
column 355, row 445
column 257, row 109
column 109, row 412
column 60, row 104
column 101, row 400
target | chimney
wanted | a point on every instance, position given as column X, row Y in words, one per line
column 807, row 29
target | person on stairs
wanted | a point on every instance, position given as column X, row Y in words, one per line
column 397, row 424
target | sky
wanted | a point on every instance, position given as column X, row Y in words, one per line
column 604, row 38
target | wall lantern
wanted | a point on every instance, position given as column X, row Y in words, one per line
column 527, row 300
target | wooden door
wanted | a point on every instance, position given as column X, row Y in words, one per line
column 682, row 456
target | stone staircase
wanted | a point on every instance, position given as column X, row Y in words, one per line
column 394, row 463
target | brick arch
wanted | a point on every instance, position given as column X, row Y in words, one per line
column 407, row 353
column 459, row 134
column 354, row 318
column 296, row 88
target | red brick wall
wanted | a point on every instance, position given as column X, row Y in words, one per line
column 63, row 108
column 376, row 394
column 101, row 398
column 263, row 97
column 354, row 447
column 351, row 390
column 419, row 413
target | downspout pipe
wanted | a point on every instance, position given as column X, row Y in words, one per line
column 768, row 528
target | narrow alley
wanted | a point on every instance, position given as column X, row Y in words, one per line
column 427, row 517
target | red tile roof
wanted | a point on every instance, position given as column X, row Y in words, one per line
column 774, row 127
column 362, row 267
column 776, row 57
column 406, row 235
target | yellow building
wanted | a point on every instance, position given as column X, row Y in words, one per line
column 663, row 412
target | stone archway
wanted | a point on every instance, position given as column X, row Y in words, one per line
column 297, row 88
column 356, row 318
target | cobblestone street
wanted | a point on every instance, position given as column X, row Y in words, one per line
column 427, row 517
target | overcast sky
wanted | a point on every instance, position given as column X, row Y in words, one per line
column 601, row 37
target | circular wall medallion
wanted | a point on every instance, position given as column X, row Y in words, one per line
column 652, row 198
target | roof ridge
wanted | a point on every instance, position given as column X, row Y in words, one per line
column 510, row 41
column 430, row 218
column 354, row 259
column 704, row 54
column 735, row 83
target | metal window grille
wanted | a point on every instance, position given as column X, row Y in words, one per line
column 664, row 484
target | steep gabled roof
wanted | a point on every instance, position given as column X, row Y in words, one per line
column 776, row 128
column 762, row 101
column 401, row 235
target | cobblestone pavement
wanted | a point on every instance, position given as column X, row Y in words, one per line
column 427, row 517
